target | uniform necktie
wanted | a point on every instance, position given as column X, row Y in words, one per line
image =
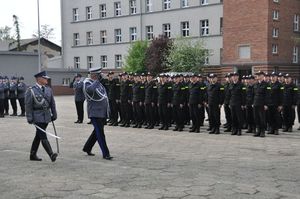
column 43, row 89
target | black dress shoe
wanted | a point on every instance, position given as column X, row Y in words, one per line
column 89, row 153
column 161, row 128
column 53, row 157
column 22, row 115
column 108, row 158
column 76, row 122
column 34, row 157
column 90, row 122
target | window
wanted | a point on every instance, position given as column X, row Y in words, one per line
column 167, row 30
column 206, row 60
column 204, row 30
column 102, row 10
column 118, row 59
column 185, row 29
column 89, row 38
column 184, row 3
column 148, row 5
column 221, row 25
column 66, row 81
column 295, row 55
column 133, row 34
column 204, row 2
column 90, row 61
column 274, row 49
column 276, row 1
column 132, row 5
column 245, row 52
column 118, row 9
column 118, row 35
column 275, row 32
column 275, row 14
column 103, row 37
column 76, row 62
column 75, row 14
column 167, row 5
column 296, row 23
column 103, row 60
column 76, row 39
column 89, row 13
column 149, row 32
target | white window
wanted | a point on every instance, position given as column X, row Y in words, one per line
column 76, row 62
column 75, row 14
column 89, row 38
column 118, row 9
column 206, row 60
column 118, row 60
column 185, row 29
column 167, row 5
column 167, row 30
column 204, row 2
column 103, row 60
column 275, row 14
column 102, row 10
column 275, row 32
column 118, row 35
column 148, row 5
column 276, row 1
column 89, row 13
column 66, row 81
column 274, row 48
column 149, row 32
column 245, row 52
column 296, row 23
column 90, row 61
column 76, row 39
column 295, row 55
column 132, row 5
column 184, row 3
column 204, row 30
column 103, row 37
column 133, row 34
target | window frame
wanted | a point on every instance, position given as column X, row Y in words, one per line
column 103, row 37
column 76, row 39
column 89, row 38
column 118, row 35
column 185, row 31
column 77, row 62
column 90, row 61
column 75, row 14
column 89, row 13
column 103, row 11
column 133, row 34
column 103, row 62
column 204, row 30
column 167, row 32
column 118, row 9
column 118, row 62
column 149, row 33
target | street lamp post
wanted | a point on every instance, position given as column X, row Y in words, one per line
column 39, row 36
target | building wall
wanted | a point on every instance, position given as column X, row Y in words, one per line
column 194, row 13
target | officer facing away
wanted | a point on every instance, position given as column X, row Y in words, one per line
column 40, row 110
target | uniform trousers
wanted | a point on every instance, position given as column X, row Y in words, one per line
column 79, row 110
column 150, row 112
column 39, row 136
column 138, row 112
column 237, row 117
column 22, row 105
column 227, row 114
column 13, row 103
column 195, row 115
column 97, row 135
column 274, row 117
column 288, row 116
column 249, row 116
column 163, row 114
column 1, row 107
column 260, row 117
column 126, row 111
column 113, row 110
column 214, row 116
column 178, row 115
column 6, row 105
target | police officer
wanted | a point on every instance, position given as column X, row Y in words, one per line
column 13, row 86
column 6, row 95
column 227, row 111
column 21, row 89
column 125, row 97
column 215, row 99
column 40, row 110
column 138, row 97
column 114, row 97
column 79, row 97
column 164, row 101
column 237, row 94
column 178, row 100
column 275, row 103
column 98, row 111
column 249, row 102
column 290, row 94
column 260, row 102
column 2, row 96
column 150, row 101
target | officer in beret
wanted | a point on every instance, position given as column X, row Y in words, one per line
column 2, row 97
column 79, row 97
column 40, row 110
column 13, row 86
column 21, row 89
column 98, row 112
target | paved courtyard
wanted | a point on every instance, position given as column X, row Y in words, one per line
column 148, row 164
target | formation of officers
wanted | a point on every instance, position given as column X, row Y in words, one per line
column 259, row 103
column 12, row 90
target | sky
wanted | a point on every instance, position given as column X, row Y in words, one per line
column 26, row 10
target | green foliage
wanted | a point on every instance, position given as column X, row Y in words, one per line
column 18, row 35
column 135, row 61
column 46, row 32
column 187, row 56
column 5, row 34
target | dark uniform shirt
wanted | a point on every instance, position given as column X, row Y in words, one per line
column 114, row 89
column 138, row 92
column 237, row 94
column 276, row 94
column 164, row 93
column 178, row 94
column 126, row 91
column 249, row 95
column 290, row 95
column 13, row 90
column 215, row 94
column 260, row 94
column 150, row 92
column 196, row 93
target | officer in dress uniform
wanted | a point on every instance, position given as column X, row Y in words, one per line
column 98, row 112
column 249, row 102
column 21, row 89
column 40, row 110
column 227, row 111
column 13, row 95
column 138, row 97
column 164, row 101
column 178, row 100
column 125, row 97
column 2, row 97
column 6, row 95
column 114, row 98
column 79, row 97
column 150, row 101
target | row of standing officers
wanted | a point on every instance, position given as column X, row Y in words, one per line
column 260, row 103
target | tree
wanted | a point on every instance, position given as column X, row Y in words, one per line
column 46, row 32
column 18, row 35
column 187, row 56
column 135, row 61
column 5, row 34
column 156, row 54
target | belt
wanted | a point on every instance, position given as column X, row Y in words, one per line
column 40, row 109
